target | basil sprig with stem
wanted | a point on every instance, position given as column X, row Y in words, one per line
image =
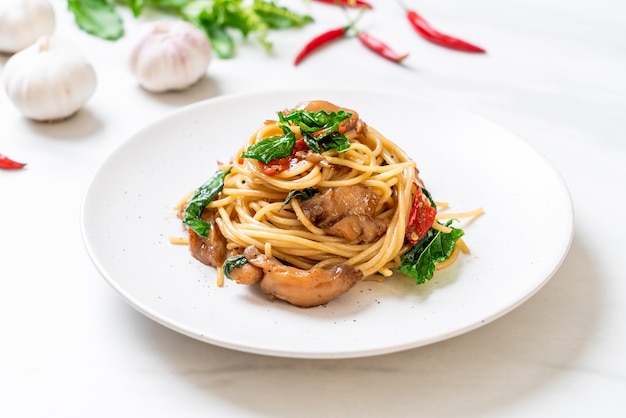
column 200, row 199
column 321, row 130
column 218, row 19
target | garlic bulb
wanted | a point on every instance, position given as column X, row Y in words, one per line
column 171, row 55
column 48, row 81
column 22, row 22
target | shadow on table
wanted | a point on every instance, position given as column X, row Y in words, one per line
column 486, row 370
column 85, row 122
column 205, row 88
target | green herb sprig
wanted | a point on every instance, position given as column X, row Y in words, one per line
column 435, row 247
column 321, row 130
column 218, row 19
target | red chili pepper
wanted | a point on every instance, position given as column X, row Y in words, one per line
column 348, row 3
column 429, row 33
column 279, row 165
column 421, row 217
column 380, row 47
column 319, row 41
column 8, row 164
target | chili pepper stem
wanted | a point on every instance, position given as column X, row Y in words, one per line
column 325, row 38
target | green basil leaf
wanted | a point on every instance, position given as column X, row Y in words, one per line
column 277, row 17
column 314, row 121
column 338, row 142
column 435, row 247
column 136, row 6
column 200, row 199
column 320, row 129
column 233, row 263
column 221, row 41
column 169, row 3
column 272, row 148
column 98, row 18
column 303, row 194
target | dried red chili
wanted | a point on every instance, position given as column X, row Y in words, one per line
column 348, row 3
column 8, row 164
column 420, row 218
column 380, row 47
column 319, row 41
column 431, row 34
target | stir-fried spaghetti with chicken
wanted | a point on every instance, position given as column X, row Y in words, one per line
column 314, row 202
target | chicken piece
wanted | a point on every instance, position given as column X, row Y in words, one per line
column 361, row 228
column 211, row 250
column 353, row 123
column 304, row 288
column 247, row 274
column 347, row 212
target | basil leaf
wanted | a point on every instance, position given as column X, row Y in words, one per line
column 314, row 121
column 98, row 18
column 303, row 194
column 233, row 263
column 221, row 41
column 277, row 17
column 136, row 6
column 200, row 199
column 338, row 142
column 272, row 148
column 168, row 3
column 320, row 129
column 435, row 247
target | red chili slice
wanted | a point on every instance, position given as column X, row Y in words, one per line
column 421, row 217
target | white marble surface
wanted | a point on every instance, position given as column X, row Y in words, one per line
column 554, row 75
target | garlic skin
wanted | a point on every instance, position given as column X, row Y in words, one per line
column 22, row 22
column 48, row 81
column 171, row 55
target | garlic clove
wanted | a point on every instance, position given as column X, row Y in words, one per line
column 48, row 81
column 22, row 22
column 170, row 55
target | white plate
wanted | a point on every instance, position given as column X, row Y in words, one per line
column 517, row 245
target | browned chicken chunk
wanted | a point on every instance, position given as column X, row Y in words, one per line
column 304, row 288
column 211, row 250
column 247, row 274
column 347, row 212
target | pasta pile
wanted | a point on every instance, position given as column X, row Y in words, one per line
column 251, row 210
